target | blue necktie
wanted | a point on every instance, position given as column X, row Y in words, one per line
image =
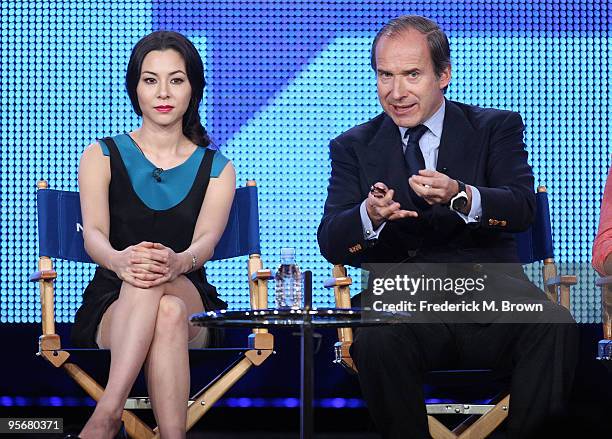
column 414, row 159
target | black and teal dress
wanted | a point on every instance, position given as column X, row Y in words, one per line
column 148, row 205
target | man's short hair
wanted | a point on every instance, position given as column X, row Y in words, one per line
column 437, row 41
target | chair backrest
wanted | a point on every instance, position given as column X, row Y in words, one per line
column 536, row 243
column 60, row 230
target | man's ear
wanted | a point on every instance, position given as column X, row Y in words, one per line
column 445, row 77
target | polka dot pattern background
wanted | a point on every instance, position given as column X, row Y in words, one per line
column 283, row 78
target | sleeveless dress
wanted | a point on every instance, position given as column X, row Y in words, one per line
column 133, row 221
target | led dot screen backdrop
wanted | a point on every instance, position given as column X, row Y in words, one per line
column 285, row 77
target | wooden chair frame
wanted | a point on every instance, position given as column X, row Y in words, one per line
column 483, row 419
column 260, row 347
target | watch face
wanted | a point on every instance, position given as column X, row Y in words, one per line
column 460, row 203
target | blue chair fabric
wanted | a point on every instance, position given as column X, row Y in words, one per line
column 536, row 243
column 60, row 226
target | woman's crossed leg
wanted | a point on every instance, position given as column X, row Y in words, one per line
column 148, row 326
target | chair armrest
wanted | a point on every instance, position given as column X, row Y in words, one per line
column 342, row 297
column 341, row 283
column 259, row 292
column 338, row 282
column 341, row 286
column 562, row 280
column 600, row 282
column 43, row 275
column 263, row 274
column 562, row 294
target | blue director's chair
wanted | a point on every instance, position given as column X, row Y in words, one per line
column 534, row 245
column 60, row 236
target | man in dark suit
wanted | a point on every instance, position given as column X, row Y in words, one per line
column 431, row 180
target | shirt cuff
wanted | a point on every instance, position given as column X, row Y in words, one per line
column 366, row 224
column 475, row 210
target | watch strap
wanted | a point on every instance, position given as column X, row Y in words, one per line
column 462, row 189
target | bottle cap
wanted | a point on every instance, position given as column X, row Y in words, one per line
column 288, row 255
column 287, row 252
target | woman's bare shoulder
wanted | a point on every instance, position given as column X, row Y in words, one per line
column 93, row 149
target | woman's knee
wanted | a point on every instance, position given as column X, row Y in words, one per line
column 172, row 313
column 136, row 296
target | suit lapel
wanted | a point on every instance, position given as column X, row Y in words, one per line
column 459, row 146
column 382, row 159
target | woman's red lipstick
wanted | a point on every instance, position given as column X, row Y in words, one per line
column 164, row 108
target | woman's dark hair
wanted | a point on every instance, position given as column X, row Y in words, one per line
column 164, row 40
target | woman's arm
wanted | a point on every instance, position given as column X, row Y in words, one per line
column 94, row 180
column 602, row 247
column 213, row 216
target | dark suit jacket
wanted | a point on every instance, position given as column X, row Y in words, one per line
column 481, row 147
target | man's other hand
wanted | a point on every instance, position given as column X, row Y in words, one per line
column 435, row 187
column 381, row 207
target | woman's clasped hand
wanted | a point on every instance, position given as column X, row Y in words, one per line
column 149, row 264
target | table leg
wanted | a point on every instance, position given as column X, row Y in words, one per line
column 307, row 373
column 307, row 381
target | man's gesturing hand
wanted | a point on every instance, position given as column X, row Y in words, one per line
column 381, row 207
column 435, row 187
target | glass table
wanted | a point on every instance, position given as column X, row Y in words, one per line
column 307, row 319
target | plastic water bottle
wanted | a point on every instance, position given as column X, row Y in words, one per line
column 288, row 281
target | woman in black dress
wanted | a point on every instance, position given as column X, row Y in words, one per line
column 150, row 228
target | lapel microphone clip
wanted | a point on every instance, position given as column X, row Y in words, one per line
column 156, row 174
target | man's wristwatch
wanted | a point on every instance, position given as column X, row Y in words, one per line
column 459, row 202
